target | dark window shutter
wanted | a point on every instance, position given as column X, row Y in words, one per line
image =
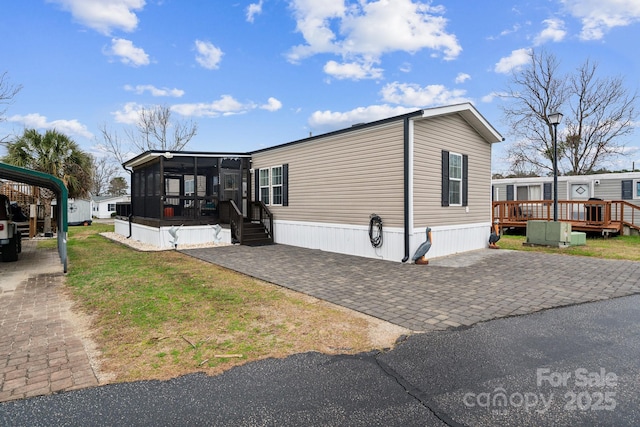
column 546, row 190
column 445, row 178
column 627, row 190
column 465, row 180
column 510, row 192
column 256, row 180
column 285, row 184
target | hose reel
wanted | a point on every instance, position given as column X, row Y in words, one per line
column 375, row 230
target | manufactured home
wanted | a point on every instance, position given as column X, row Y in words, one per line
column 608, row 203
column 608, row 186
column 103, row 207
column 369, row 190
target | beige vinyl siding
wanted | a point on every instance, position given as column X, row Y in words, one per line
column 343, row 178
column 454, row 134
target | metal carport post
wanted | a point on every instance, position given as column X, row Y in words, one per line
column 41, row 179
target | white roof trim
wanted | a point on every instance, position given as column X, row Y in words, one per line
column 472, row 116
column 568, row 178
column 142, row 159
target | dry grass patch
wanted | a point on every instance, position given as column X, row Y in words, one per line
column 157, row 315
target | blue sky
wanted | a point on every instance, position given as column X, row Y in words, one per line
column 258, row 73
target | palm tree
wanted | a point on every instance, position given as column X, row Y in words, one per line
column 56, row 154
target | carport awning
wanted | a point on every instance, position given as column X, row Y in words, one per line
column 44, row 180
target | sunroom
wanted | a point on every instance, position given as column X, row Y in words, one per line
column 191, row 190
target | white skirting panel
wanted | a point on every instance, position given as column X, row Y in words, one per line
column 354, row 240
column 340, row 238
column 452, row 239
column 160, row 237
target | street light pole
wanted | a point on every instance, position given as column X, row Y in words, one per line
column 554, row 119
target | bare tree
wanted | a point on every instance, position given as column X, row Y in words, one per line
column 112, row 143
column 598, row 111
column 103, row 172
column 602, row 111
column 154, row 130
column 8, row 91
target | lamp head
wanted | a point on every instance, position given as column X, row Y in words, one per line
column 554, row 118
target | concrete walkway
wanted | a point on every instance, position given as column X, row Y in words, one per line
column 41, row 345
column 452, row 291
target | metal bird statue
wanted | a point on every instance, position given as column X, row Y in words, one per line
column 216, row 233
column 421, row 252
column 494, row 237
column 173, row 232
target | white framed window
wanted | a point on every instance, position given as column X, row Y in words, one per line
column 276, row 185
column 265, row 187
column 636, row 189
column 529, row 192
column 455, row 179
column 111, row 207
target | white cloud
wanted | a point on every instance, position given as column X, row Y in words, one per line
column 225, row 106
column 491, row 96
column 154, row 91
column 331, row 120
column 209, row 56
column 417, row 96
column 127, row 52
column 517, row 59
column 129, row 114
column 599, row 16
column 364, row 31
column 352, row 70
column 272, row 105
column 104, row 15
column 254, row 9
column 553, row 32
column 506, row 32
column 405, row 67
column 67, row 127
column 462, row 77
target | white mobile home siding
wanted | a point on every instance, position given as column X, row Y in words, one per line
column 603, row 186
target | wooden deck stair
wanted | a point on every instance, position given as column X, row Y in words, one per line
column 255, row 234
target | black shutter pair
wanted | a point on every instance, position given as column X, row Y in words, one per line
column 445, row 179
column 285, row 184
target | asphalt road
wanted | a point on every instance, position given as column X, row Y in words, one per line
column 577, row 365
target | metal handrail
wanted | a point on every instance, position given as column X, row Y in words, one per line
column 264, row 215
column 236, row 221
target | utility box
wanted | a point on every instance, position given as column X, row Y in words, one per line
column 578, row 238
column 549, row 233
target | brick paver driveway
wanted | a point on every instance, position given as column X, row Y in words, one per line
column 41, row 347
column 452, row 291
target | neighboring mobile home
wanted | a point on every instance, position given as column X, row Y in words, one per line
column 429, row 168
column 104, row 207
column 603, row 203
column 607, row 186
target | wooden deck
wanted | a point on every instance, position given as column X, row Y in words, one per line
column 599, row 216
